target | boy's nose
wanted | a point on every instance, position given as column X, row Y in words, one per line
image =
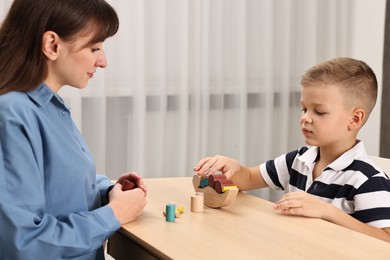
column 305, row 118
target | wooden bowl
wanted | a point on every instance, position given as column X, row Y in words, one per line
column 212, row 198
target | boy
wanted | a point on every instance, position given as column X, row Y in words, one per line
column 332, row 178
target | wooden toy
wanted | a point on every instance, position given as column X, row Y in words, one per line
column 214, row 177
column 212, row 198
column 223, row 185
column 197, row 202
column 128, row 185
column 204, row 182
column 179, row 211
column 170, row 212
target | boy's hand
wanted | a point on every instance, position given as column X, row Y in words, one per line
column 210, row 165
column 302, row 204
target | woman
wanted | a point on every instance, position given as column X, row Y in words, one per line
column 52, row 203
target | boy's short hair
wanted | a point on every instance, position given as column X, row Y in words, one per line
column 354, row 77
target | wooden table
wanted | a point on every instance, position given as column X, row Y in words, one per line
column 246, row 229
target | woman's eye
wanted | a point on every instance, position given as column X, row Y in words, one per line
column 95, row 49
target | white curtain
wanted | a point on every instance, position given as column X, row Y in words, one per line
column 193, row 78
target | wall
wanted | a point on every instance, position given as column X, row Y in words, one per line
column 367, row 44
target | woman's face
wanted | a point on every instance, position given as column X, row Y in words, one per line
column 76, row 63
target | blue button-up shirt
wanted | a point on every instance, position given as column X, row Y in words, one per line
column 50, row 196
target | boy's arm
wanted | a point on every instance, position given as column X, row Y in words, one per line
column 307, row 205
column 339, row 217
column 249, row 178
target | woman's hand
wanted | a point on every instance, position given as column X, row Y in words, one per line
column 127, row 205
column 134, row 178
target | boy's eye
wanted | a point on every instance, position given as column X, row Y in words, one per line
column 95, row 49
column 320, row 113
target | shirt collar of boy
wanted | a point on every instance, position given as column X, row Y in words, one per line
column 356, row 152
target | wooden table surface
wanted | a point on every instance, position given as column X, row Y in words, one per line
column 248, row 228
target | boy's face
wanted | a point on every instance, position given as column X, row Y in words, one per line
column 325, row 117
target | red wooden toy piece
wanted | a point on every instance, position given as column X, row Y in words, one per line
column 214, row 177
column 128, row 185
column 222, row 184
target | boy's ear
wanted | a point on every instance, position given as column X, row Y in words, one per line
column 50, row 41
column 357, row 119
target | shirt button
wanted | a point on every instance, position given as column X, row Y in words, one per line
column 64, row 113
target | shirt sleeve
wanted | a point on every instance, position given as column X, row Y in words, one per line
column 105, row 185
column 372, row 202
column 276, row 173
column 27, row 230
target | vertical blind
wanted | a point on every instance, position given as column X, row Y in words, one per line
column 194, row 78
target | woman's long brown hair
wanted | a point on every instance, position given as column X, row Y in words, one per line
column 22, row 62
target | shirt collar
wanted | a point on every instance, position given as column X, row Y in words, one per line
column 309, row 156
column 358, row 151
column 43, row 95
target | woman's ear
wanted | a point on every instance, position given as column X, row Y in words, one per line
column 50, row 41
column 357, row 119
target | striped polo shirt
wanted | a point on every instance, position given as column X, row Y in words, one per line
column 352, row 183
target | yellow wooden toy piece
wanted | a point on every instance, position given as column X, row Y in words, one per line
column 225, row 189
column 212, row 198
